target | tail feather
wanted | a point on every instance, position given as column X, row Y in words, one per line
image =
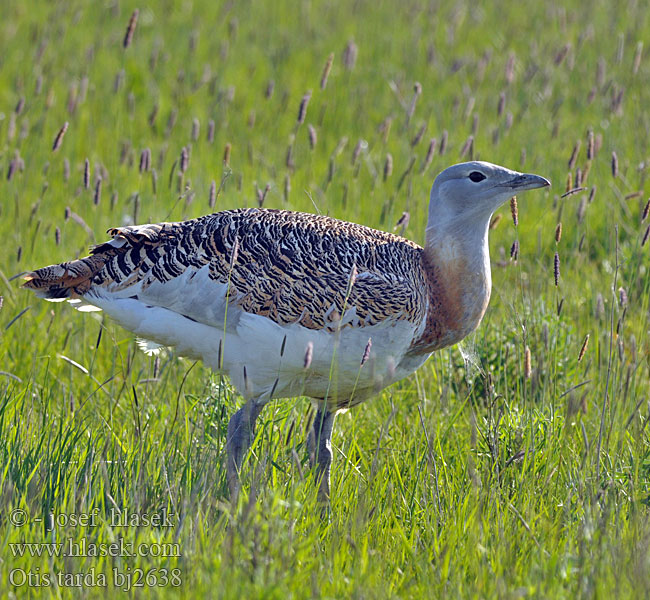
column 68, row 280
column 74, row 279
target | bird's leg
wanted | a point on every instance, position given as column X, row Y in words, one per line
column 241, row 431
column 319, row 442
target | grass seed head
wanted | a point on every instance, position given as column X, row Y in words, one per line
column 184, row 159
column 86, row 174
column 514, row 211
column 501, row 104
column 558, row 232
column 581, row 243
column 366, row 352
column 118, row 81
column 514, row 250
column 582, row 209
column 20, row 105
column 97, row 196
column 646, row 211
column 130, row 29
column 495, row 221
column 268, row 91
column 212, row 196
column 574, row 155
column 561, row 55
column 145, row 160
column 287, row 187
column 578, row 178
column 349, row 56
column 388, row 166
column 309, row 354
column 590, row 145
column 443, row 142
column 646, row 235
column 614, row 164
column 384, row 128
column 352, row 279
column 527, row 363
column 313, row 136
column 359, row 147
column 418, row 136
column 235, row 252
column 556, row 269
column 417, row 92
column 151, row 119
column 429, row 157
column 326, row 71
column 403, row 222
column 468, row 148
column 288, row 161
column 583, row 348
column 622, row 297
column 302, row 110
column 58, row 140
column 226, row 154
column 171, row 121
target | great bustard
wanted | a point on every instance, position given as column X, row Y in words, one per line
column 290, row 304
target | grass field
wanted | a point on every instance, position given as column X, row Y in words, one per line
column 515, row 466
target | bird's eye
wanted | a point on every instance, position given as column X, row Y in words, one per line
column 476, row 176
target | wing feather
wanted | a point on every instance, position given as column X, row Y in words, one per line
column 290, row 267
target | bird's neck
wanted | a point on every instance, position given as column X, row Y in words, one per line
column 456, row 263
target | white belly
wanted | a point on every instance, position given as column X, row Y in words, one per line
column 266, row 360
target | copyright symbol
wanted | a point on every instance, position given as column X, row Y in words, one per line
column 18, row 517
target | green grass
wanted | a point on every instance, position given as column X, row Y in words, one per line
column 456, row 482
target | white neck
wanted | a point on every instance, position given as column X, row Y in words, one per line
column 457, row 266
column 458, row 239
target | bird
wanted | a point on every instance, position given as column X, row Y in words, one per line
column 291, row 304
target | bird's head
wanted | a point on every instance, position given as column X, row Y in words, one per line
column 466, row 194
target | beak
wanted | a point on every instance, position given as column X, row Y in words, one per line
column 527, row 181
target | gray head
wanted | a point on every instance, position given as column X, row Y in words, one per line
column 468, row 193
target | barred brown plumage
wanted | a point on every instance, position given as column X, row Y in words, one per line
column 292, row 267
